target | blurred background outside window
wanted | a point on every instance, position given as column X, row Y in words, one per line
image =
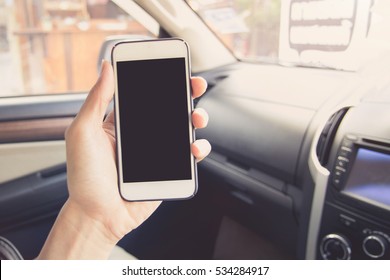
column 52, row 46
column 250, row 28
column 336, row 34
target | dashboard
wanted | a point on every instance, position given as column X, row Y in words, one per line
column 319, row 150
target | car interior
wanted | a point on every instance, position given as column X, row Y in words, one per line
column 300, row 159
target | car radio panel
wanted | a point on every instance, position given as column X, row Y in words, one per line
column 356, row 216
column 362, row 170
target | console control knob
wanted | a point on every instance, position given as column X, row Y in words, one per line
column 375, row 246
column 335, row 247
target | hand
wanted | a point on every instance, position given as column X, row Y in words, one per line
column 92, row 174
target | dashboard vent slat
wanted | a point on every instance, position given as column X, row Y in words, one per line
column 327, row 136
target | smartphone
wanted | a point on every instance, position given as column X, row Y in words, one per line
column 154, row 131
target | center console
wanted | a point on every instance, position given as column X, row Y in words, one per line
column 355, row 220
column 355, row 223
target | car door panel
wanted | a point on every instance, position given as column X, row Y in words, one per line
column 32, row 132
column 33, row 185
column 21, row 159
column 39, row 194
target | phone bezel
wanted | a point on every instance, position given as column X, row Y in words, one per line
column 154, row 190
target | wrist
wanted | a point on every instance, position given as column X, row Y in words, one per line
column 76, row 235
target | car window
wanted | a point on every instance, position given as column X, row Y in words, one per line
column 339, row 34
column 52, row 46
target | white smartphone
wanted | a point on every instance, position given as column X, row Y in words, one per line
column 154, row 131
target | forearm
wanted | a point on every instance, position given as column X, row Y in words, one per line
column 76, row 236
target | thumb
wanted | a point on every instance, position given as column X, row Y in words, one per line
column 98, row 99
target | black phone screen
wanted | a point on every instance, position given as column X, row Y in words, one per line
column 154, row 120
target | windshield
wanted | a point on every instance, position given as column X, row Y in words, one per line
column 340, row 34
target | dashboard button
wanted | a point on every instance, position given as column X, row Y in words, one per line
column 335, row 247
column 338, row 173
column 375, row 246
column 351, row 137
column 341, row 169
column 348, row 221
column 342, row 162
column 336, row 181
column 347, row 143
column 345, row 152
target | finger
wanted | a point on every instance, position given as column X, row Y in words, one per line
column 110, row 118
column 199, row 86
column 200, row 149
column 99, row 97
column 200, row 118
column 141, row 211
column 108, row 124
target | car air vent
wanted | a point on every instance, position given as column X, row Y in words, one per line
column 327, row 135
